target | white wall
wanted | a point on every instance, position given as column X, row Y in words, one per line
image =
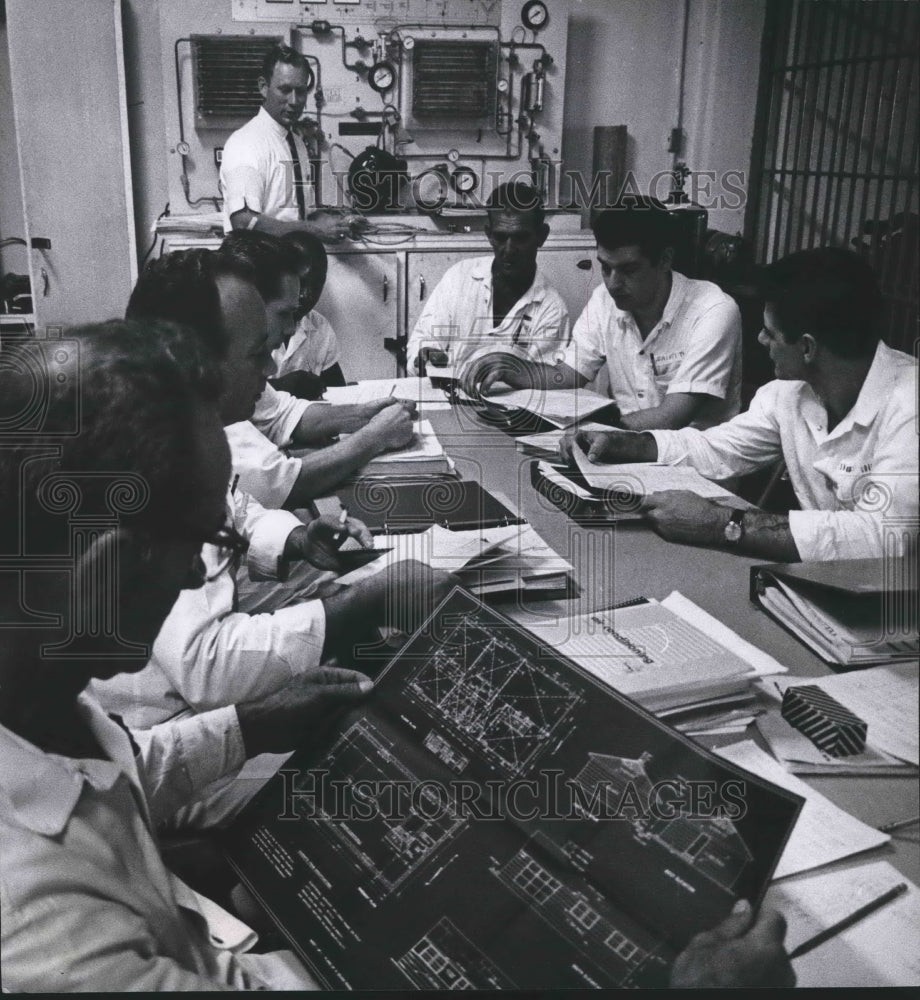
column 623, row 69
column 13, row 258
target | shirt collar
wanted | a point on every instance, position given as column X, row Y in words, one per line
column 875, row 390
column 43, row 789
column 679, row 286
column 268, row 122
column 482, row 271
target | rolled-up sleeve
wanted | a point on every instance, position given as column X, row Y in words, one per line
column 277, row 415
column 267, row 532
column 265, row 472
column 743, row 444
column 587, row 351
column 214, row 656
column 181, row 757
column 712, row 354
column 242, row 177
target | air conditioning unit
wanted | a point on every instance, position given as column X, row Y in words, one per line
column 226, row 70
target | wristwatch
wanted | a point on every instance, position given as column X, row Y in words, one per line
column 734, row 530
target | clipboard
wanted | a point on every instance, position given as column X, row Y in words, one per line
column 400, row 506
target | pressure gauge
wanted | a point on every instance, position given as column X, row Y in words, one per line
column 453, row 155
column 464, row 180
column 381, row 77
column 535, row 15
column 183, row 148
column 408, row 43
column 502, row 86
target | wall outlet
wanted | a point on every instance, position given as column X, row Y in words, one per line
column 218, row 155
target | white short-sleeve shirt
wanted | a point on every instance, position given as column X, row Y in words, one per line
column 694, row 348
column 313, row 348
column 256, row 171
column 458, row 319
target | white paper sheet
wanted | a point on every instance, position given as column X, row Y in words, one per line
column 879, row 950
column 562, row 407
column 823, row 833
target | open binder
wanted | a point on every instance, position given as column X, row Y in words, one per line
column 402, row 505
column 853, row 613
column 566, row 488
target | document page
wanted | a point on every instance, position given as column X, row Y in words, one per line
column 641, row 478
column 824, row 833
column 562, row 407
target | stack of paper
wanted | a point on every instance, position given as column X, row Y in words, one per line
column 561, row 407
column 661, row 654
column 507, row 559
column 638, row 479
column 546, row 444
column 885, row 698
column 823, row 832
column 423, row 456
column 415, row 390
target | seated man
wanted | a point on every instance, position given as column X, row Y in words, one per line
column 842, row 415
column 306, row 363
column 227, row 641
column 502, row 301
column 175, row 287
column 671, row 344
column 87, row 903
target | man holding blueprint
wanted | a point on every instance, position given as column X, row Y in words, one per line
column 841, row 414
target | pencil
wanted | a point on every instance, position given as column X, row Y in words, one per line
column 236, row 480
column 854, row 917
column 898, row 824
column 393, row 389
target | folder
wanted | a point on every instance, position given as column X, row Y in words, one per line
column 853, row 613
column 567, row 489
column 405, row 505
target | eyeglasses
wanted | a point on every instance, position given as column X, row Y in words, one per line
column 231, row 546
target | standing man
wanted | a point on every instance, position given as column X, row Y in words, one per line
column 671, row 344
column 265, row 170
column 501, row 301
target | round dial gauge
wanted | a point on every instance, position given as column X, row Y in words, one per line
column 183, row 148
column 464, row 180
column 502, row 86
column 453, row 155
column 381, row 77
column 535, row 15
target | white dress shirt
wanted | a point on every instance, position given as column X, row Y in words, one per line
column 208, row 654
column 87, row 904
column 695, row 347
column 458, row 319
column 256, row 171
column 313, row 348
column 266, row 472
column 857, row 484
column 257, row 446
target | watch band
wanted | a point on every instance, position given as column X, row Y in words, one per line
column 734, row 530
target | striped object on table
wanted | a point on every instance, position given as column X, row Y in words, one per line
column 831, row 727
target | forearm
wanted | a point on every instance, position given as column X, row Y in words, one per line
column 559, row 376
column 274, row 227
column 674, row 412
column 323, row 421
column 323, row 470
column 346, row 612
column 767, row 536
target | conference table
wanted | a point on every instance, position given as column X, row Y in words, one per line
column 618, row 562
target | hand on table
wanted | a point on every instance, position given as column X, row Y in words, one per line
column 499, row 366
column 744, row 950
column 682, row 516
column 599, row 446
column 301, row 710
column 391, row 427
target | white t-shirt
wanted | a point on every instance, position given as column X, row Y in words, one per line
column 695, row 347
column 313, row 348
column 256, row 171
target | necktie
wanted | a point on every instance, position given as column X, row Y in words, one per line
column 298, row 178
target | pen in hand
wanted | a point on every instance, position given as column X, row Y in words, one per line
column 340, row 534
column 854, row 917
